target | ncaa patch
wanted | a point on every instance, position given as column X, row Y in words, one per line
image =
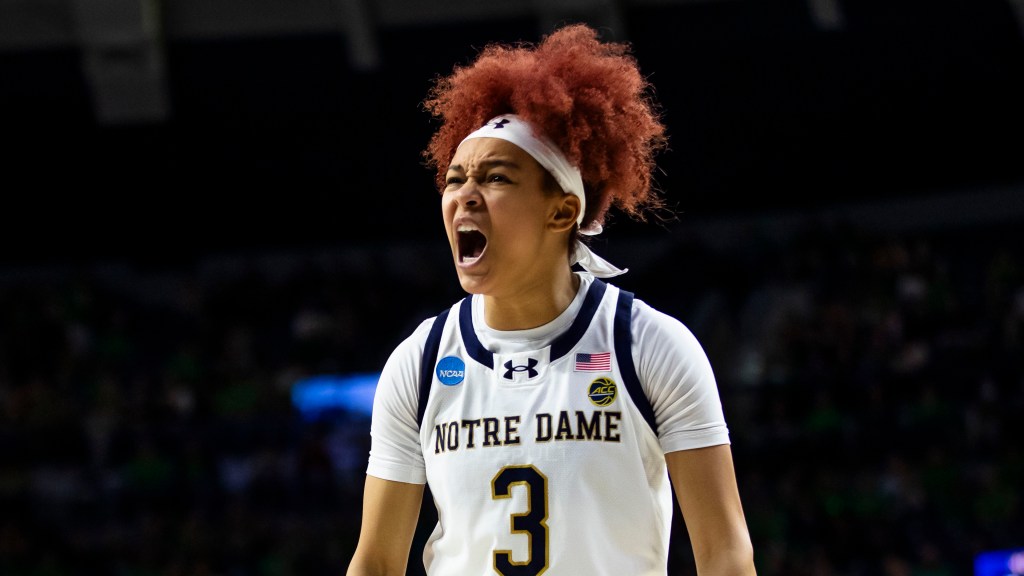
column 602, row 391
column 451, row 370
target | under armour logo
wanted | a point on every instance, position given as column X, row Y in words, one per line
column 528, row 368
column 500, row 123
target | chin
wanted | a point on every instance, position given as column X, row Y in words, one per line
column 473, row 284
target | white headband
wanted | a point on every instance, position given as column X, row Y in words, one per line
column 514, row 129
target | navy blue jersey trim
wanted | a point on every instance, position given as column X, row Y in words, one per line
column 568, row 339
column 559, row 347
column 430, row 349
column 473, row 346
column 624, row 356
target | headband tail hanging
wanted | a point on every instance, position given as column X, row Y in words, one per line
column 593, row 263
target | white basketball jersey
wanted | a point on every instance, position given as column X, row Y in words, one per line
column 545, row 461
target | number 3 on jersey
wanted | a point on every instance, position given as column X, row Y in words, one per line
column 532, row 523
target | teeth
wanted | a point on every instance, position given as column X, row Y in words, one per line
column 466, row 228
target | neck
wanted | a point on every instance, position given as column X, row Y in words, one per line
column 532, row 305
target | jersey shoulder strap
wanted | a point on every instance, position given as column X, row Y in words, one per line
column 430, row 349
column 623, row 335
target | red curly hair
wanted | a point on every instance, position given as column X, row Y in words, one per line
column 588, row 97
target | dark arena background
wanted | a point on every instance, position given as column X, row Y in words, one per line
column 216, row 225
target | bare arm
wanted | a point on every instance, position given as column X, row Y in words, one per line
column 390, row 512
column 705, row 484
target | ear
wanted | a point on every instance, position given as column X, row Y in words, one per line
column 563, row 216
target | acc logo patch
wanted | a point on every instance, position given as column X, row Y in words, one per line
column 602, row 391
column 451, row 370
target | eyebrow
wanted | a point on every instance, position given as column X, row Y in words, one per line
column 497, row 163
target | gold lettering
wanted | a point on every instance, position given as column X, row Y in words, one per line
column 564, row 427
column 611, row 426
column 491, row 432
column 439, row 438
column 511, row 430
column 543, row 427
column 470, row 426
column 588, row 430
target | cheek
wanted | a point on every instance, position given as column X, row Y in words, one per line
column 524, row 220
column 447, row 210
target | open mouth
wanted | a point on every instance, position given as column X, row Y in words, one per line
column 471, row 245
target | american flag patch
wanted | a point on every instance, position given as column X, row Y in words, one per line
column 601, row 362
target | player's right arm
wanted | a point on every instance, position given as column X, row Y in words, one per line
column 396, row 473
column 390, row 512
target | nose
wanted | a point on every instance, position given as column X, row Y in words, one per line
column 468, row 195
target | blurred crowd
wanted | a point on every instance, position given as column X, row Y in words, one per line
column 872, row 384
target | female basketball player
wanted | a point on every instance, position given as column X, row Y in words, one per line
column 547, row 410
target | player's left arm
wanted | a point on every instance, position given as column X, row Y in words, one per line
column 705, row 484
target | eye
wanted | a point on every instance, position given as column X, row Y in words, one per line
column 452, row 181
column 497, row 178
